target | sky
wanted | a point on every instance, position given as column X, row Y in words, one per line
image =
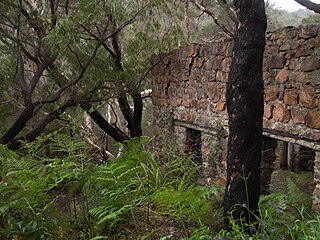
column 289, row 5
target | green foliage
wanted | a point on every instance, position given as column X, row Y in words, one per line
column 297, row 196
column 126, row 197
column 134, row 180
column 123, row 184
column 187, row 203
column 278, row 219
column 32, row 185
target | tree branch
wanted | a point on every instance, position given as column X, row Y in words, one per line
column 215, row 19
column 310, row 5
column 112, row 131
column 34, row 133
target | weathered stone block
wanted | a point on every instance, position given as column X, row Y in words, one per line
column 280, row 113
column 217, row 63
column 308, row 31
column 203, row 104
column 295, row 64
column 267, row 111
column 312, row 43
column 298, row 115
column 308, row 97
column 191, row 115
column 221, row 76
column 281, row 92
column 298, row 77
column 310, row 64
column 275, row 61
column 288, row 45
column 221, row 106
column 303, row 50
column 271, row 93
column 207, row 64
column 192, row 50
column 313, row 120
column 282, row 76
column 199, row 62
column 291, row 97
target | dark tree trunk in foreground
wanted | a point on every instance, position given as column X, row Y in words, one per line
column 245, row 110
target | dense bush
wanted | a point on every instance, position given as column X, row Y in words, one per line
column 52, row 189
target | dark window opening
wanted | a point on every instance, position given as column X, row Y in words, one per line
column 193, row 145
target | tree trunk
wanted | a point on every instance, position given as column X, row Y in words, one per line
column 245, row 110
column 112, row 130
column 18, row 125
column 136, row 130
column 15, row 144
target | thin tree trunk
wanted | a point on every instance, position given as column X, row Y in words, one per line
column 36, row 132
column 136, row 130
column 112, row 130
column 18, row 125
column 245, row 110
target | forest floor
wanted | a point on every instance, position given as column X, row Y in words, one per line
column 302, row 181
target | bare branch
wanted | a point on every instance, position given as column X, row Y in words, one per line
column 114, row 112
column 76, row 54
column 41, row 67
column 310, row 5
column 86, row 66
column 75, row 81
column 213, row 16
column 99, row 39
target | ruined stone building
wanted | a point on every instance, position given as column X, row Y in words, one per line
column 189, row 88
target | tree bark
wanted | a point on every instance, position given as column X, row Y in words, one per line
column 18, row 125
column 112, row 131
column 310, row 5
column 245, row 110
column 36, row 132
column 136, row 130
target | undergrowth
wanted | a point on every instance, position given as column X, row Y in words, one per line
column 53, row 189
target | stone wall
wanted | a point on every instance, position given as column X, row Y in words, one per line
column 189, row 85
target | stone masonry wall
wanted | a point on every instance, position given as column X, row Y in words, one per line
column 189, row 85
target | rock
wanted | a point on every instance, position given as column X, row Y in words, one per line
column 192, row 50
column 291, row 97
column 282, row 76
column 271, row 93
column 310, row 64
column 275, row 61
column 308, row 31
column 298, row 115
column 267, row 111
column 221, row 106
column 307, row 97
column 313, row 119
column 280, row 113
